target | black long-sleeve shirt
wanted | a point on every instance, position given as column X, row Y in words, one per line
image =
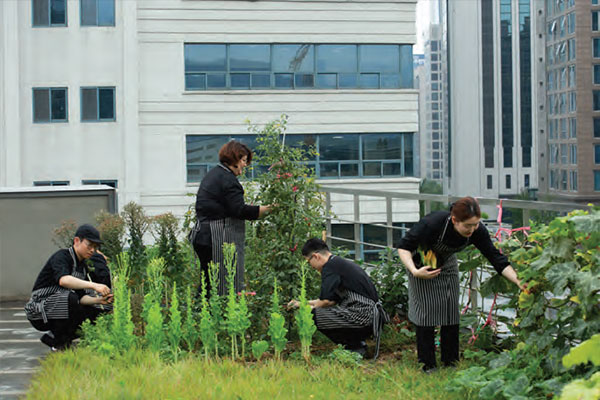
column 428, row 230
column 221, row 195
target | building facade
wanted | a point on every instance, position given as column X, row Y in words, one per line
column 140, row 95
column 493, row 101
column 571, row 160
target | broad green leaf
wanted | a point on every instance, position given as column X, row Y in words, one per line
column 588, row 351
column 559, row 274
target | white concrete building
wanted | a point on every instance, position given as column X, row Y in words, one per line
column 493, row 98
column 127, row 92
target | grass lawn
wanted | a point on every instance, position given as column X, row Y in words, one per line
column 83, row 374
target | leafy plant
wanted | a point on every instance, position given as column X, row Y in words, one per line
column 391, row 283
column 258, row 348
column 304, row 320
column 174, row 332
column 122, row 325
column 286, row 182
column 153, row 285
column 63, row 235
column 189, row 330
column 588, row 351
column 215, row 303
column 165, row 227
column 208, row 330
column 345, row 357
column 277, row 330
column 243, row 320
column 112, row 231
column 137, row 224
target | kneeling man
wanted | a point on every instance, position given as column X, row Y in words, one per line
column 348, row 310
column 59, row 302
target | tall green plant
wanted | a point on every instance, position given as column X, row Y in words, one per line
column 215, row 303
column 304, row 320
column 277, row 330
column 243, row 320
column 208, row 329
column 232, row 305
column 165, row 228
column 137, row 224
column 122, row 324
column 174, row 332
column 287, row 182
column 189, row 330
column 152, row 310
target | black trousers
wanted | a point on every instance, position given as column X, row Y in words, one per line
column 65, row 330
column 350, row 338
column 426, row 345
column 205, row 256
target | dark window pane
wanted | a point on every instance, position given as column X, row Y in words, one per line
column 249, row 57
column 195, row 173
column 379, row 58
column 597, row 74
column 58, row 98
column 284, row 81
column 408, row 155
column 391, row 81
column 88, row 12
column 204, row 149
column 338, row 147
column 392, row 169
column 195, row 81
column 372, row 169
column 261, row 80
column 596, row 127
column 205, row 57
column 106, row 98
column 370, row 81
column 336, row 58
column 304, row 80
column 406, row 67
column 106, row 12
column 240, row 81
column 344, row 231
column 305, row 142
column 349, row 169
column 329, row 169
column 382, row 146
column 57, row 12
column 293, row 58
column 41, row 105
column 347, row 80
column 89, row 105
column 40, row 13
column 215, row 81
column 327, row 81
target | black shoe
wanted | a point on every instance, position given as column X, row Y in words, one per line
column 360, row 349
column 48, row 340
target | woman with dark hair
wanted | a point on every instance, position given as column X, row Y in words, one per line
column 221, row 213
column 433, row 293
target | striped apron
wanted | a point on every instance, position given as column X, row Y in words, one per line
column 435, row 302
column 353, row 311
column 51, row 302
column 228, row 230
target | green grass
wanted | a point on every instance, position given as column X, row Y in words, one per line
column 81, row 373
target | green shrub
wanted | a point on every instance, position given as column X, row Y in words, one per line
column 112, row 232
column 137, row 225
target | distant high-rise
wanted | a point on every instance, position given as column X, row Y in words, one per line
column 569, row 156
column 491, row 97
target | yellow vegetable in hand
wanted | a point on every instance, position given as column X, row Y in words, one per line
column 429, row 258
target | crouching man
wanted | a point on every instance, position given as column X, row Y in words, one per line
column 59, row 302
column 348, row 310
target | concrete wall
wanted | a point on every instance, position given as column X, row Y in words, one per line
column 27, row 219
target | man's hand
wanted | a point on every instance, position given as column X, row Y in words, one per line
column 108, row 299
column 101, row 288
column 293, row 304
column 426, row 272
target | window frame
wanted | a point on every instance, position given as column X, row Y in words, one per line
column 50, row 90
column 50, row 24
column 97, row 24
column 98, row 119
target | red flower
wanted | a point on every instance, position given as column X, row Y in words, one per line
column 293, row 249
column 295, row 189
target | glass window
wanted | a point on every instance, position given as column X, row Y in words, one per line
column 249, row 57
column 50, row 105
column 563, row 154
column 49, row 12
column 596, row 47
column 489, row 182
column 108, row 182
column 205, row 57
column 571, row 23
column 572, row 76
column 526, row 180
column 596, row 98
column 563, row 179
column 597, row 181
column 597, row 127
column 338, row 147
column 572, row 127
column 596, row 154
column 572, row 49
column 508, row 181
column 597, row 74
column 293, row 58
column 51, row 183
column 595, row 20
column 379, row 58
column 573, row 153
column 382, row 147
column 97, row 12
column 573, row 180
column 336, row 58
column 572, row 102
column 98, row 104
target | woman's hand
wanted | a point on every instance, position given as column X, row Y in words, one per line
column 293, row 304
column 426, row 272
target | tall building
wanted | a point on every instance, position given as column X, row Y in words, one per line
column 492, row 98
column 141, row 94
column 570, row 159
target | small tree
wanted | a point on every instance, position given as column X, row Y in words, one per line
column 122, row 327
column 208, row 330
column 112, row 232
column 190, row 332
column 62, row 236
column 165, row 229
column 137, row 224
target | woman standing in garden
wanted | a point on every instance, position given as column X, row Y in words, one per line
column 221, row 213
column 433, row 291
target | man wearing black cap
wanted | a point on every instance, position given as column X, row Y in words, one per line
column 59, row 302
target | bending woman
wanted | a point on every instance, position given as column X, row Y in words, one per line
column 221, row 213
column 433, row 294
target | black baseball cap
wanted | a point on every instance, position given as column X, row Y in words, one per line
column 87, row 231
